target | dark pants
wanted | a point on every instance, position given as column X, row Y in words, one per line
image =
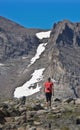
column 48, row 97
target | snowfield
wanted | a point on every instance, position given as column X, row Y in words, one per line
column 26, row 89
column 39, row 51
column 42, row 35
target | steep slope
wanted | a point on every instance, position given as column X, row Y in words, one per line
column 63, row 52
column 61, row 59
column 17, row 47
column 15, row 40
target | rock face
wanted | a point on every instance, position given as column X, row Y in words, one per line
column 15, row 40
column 17, row 47
column 61, row 58
column 63, row 52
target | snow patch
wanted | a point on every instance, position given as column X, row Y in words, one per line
column 39, row 51
column 42, row 35
column 27, row 89
column 1, row 64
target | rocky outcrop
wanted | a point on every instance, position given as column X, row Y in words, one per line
column 32, row 115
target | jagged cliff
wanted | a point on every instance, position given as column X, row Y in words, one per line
column 64, row 53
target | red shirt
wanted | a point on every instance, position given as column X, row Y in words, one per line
column 48, row 87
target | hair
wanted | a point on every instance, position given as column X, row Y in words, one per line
column 49, row 79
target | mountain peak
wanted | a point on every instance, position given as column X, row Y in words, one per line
column 64, row 33
column 59, row 56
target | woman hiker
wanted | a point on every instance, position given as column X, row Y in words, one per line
column 49, row 91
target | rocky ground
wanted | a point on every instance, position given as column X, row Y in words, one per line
column 30, row 114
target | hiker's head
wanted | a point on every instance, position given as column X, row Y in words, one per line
column 49, row 79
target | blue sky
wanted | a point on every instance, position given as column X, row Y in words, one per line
column 40, row 13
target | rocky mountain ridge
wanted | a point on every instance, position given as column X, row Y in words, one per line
column 64, row 53
column 17, row 47
column 60, row 58
column 15, row 40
